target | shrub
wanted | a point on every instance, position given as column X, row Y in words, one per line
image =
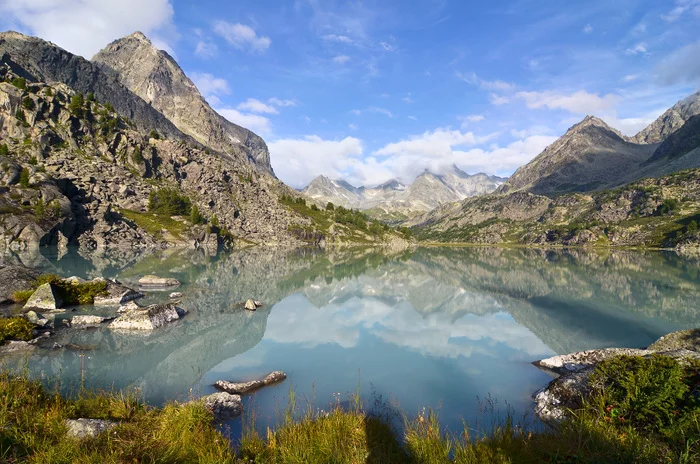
column 19, row 114
column 91, row 97
column 154, row 134
column 33, row 161
column 169, row 201
column 214, row 221
column 667, row 207
column 49, row 92
column 136, row 156
column 24, row 178
column 4, row 151
column 330, row 206
column 15, row 328
column 692, row 227
column 76, row 105
column 195, row 216
column 71, row 293
column 20, row 83
column 40, row 209
column 28, row 103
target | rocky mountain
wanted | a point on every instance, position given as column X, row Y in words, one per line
column 655, row 212
column 156, row 77
column 75, row 170
column 392, row 199
column 589, row 156
column 669, row 122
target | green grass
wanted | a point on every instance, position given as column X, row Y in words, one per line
column 15, row 328
column 32, row 428
column 154, row 224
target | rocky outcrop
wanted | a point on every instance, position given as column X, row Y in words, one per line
column 243, row 388
column 566, row 392
column 154, row 75
column 81, row 322
column 116, row 294
column 14, row 278
column 148, row 318
column 155, row 282
column 44, row 297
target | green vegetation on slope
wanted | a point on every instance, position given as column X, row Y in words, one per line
column 15, row 328
column 154, row 223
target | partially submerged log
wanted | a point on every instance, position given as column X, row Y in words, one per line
column 242, row 388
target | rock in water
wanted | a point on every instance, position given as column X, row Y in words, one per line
column 246, row 387
column 574, row 362
column 250, row 305
column 44, row 298
column 117, row 294
column 36, row 319
column 681, row 340
column 224, row 406
column 87, row 321
column 148, row 318
column 14, row 278
column 175, row 295
column 151, row 281
column 84, row 428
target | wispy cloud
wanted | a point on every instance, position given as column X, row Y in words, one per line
column 341, row 59
column 580, row 102
column 638, row 49
column 256, row 106
column 338, row 38
column 682, row 7
column 473, row 79
column 241, row 36
column 588, row 29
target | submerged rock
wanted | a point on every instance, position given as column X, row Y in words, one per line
column 148, row 318
column 36, row 319
column 224, row 406
column 44, row 297
column 246, row 387
column 175, row 295
column 84, row 428
column 117, row 294
column 16, row 345
column 155, row 282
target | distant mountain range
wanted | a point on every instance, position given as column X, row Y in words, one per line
column 393, row 200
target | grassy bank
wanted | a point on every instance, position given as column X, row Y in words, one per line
column 646, row 411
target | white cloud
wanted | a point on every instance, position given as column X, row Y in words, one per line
column 356, row 112
column 496, row 99
column 630, row 78
column 353, row 127
column 682, row 66
column 242, row 37
column 472, row 78
column 588, row 29
column 341, row 59
column 256, row 106
column 412, row 118
column 408, row 99
column 386, row 47
column 206, row 49
column 682, row 7
column 337, row 38
column 256, row 123
column 383, row 111
column 85, row 26
column 580, row 102
column 210, row 87
column 639, row 49
column 299, row 161
column 281, row 103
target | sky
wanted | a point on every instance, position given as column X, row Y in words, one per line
column 369, row 91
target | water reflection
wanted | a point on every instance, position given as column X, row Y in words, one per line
column 426, row 327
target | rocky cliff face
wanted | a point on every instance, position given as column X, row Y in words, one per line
column 669, row 122
column 590, row 156
column 39, row 61
column 155, row 77
column 393, row 199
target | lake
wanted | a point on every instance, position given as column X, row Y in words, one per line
column 434, row 327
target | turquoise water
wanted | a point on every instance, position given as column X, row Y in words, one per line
column 442, row 328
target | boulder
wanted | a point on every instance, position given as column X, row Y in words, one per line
column 250, row 305
column 148, row 318
column 175, row 295
column 13, row 279
column 242, row 388
column 44, row 297
column 131, row 305
column 36, row 319
column 224, row 406
column 117, row 294
column 574, row 362
column 681, row 340
column 155, row 282
column 87, row 321
column 84, row 428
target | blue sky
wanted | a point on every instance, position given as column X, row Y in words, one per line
column 381, row 89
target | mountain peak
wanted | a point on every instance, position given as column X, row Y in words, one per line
column 140, row 36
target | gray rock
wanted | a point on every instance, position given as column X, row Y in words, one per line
column 152, row 281
column 36, row 319
column 250, row 305
column 224, row 406
column 574, row 362
column 117, row 294
column 13, row 279
column 44, row 297
column 242, row 388
column 84, row 428
column 148, row 318
column 175, row 295
column 12, row 346
column 681, row 340
column 87, row 321
column 131, row 305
